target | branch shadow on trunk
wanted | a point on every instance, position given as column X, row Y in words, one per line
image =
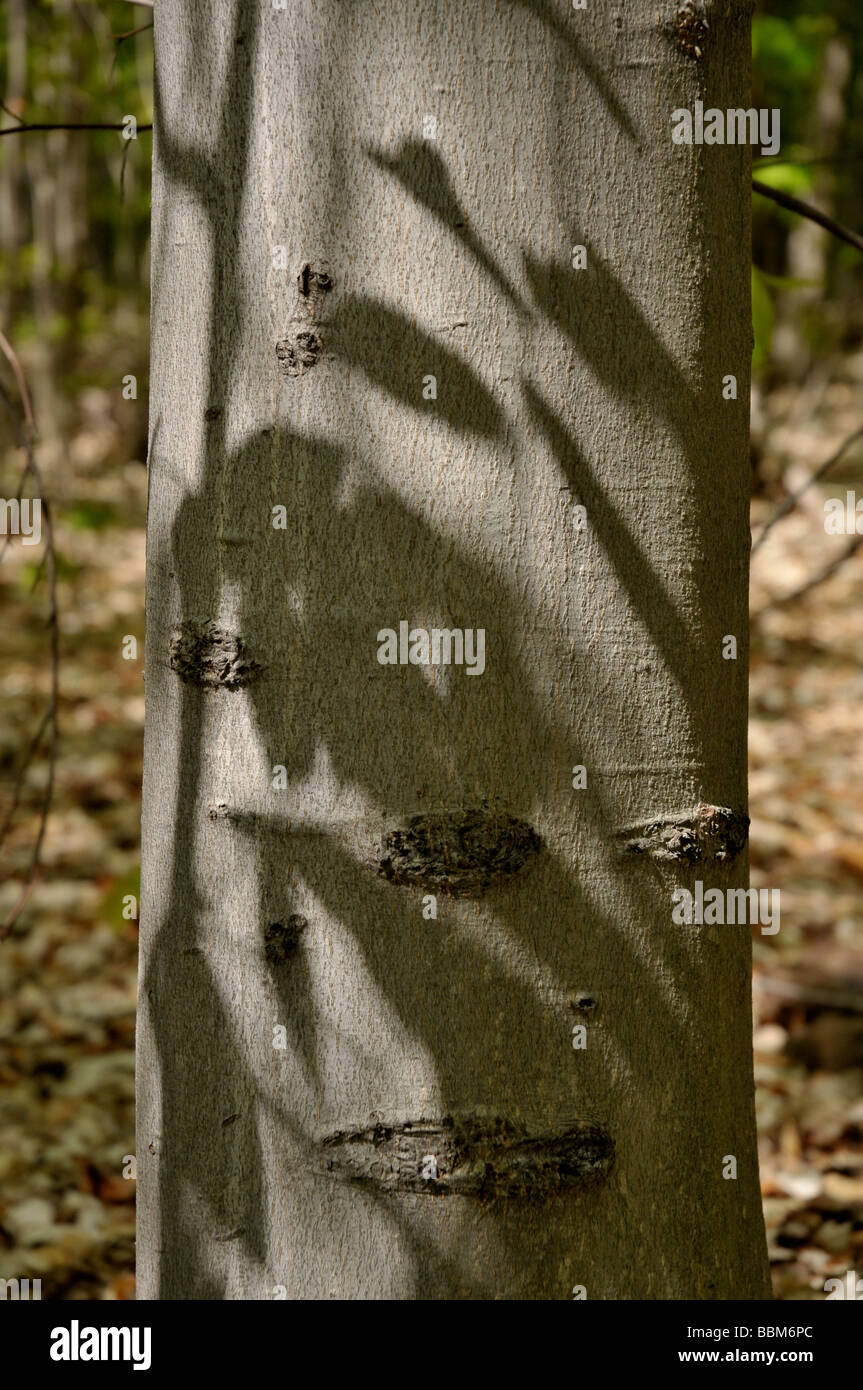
column 484, row 992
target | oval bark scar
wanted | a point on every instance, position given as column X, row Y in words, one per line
column 210, row 656
column 706, row 835
column 459, row 852
column 470, row 1157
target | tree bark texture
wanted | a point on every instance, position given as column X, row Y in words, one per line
column 350, row 199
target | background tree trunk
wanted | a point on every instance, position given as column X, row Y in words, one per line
column 808, row 254
column 13, row 227
column 429, row 1130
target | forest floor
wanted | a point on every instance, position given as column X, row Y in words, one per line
column 67, row 973
column 806, row 839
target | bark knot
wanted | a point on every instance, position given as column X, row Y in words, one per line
column 207, row 655
column 469, row 1156
column 281, row 939
column 302, row 344
column 461, row 852
column 690, row 28
column 313, row 283
column 299, row 351
column 706, row 835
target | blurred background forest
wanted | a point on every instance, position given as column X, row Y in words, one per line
column 74, row 249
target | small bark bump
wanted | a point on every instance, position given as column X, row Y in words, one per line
column 297, row 353
column 311, row 282
column 282, row 939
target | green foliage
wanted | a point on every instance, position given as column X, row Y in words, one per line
column 90, row 516
column 788, row 49
column 93, row 251
column 30, row 573
column 790, row 39
column 787, row 177
column 789, row 282
column 111, row 906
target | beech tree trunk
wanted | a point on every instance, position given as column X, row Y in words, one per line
column 367, row 313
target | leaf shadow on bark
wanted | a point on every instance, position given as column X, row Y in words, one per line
column 610, row 332
column 601, row 320
column 651, row 601
column 396, row 354
column 423, row 174
column 225, row 1170
column 355, row 566
column 566, row 35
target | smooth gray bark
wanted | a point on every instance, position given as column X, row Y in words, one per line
column 429, row 1130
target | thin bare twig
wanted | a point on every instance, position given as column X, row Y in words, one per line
column 791, row 502
column 785, row 200
column 130, row 33
column 850, row 1000
column 816, row 579
column 118, row 39
column 10, row 112
column 123, row 160
column 19, row 780
column 20, row 381
column 69, row 125
column 806, row 163
column 26, row 433
column 18, row 908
